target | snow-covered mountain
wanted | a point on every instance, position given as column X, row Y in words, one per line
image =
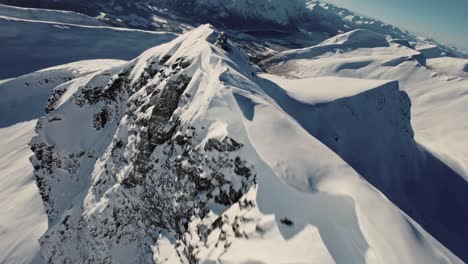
column 413, row 175
column 175, row 159
column 288, row 132
column 311, row 19
column 265, row 27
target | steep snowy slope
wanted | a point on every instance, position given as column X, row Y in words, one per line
column 22, row 101
column 28, row 45
column 23, row 220
column 184, row 157
column 437, row 117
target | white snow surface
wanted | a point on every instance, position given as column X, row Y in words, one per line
column 23, row 220
column 354, row 221
column 438, row 108
column 449, row 66
column 324, row 89
column 437, row 93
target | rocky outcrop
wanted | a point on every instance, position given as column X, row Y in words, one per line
column 131, row 172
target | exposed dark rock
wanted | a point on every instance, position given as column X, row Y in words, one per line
column 222, row 41
column 228, row 144
column 101, row 118
column 164, row 59
column 287, row 222
column 52, row 101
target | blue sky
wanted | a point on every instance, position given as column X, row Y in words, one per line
column 444, row 20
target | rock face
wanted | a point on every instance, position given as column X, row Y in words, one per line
column 135, row 171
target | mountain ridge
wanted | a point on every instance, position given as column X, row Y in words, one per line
column 311, row 16
column 286, row 132
column 192, row 109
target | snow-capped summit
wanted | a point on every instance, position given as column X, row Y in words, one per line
column 361, row 38
column 145, row 163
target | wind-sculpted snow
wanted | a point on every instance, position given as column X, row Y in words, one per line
column 435, row 90
column 426, row 178
column 450, row 66
column 183, row 155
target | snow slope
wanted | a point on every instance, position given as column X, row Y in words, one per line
column 30, row 43
column 437, row 98
column 353, row 225
column 439, row 158
column 322, row 90
column 449, row 66
column 184, row 156
column 355, row 49
column 23, row 219
column 24, row 98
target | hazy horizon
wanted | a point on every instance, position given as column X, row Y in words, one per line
column 444, row 21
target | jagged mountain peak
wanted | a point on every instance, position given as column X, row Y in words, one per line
column 143, row 143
